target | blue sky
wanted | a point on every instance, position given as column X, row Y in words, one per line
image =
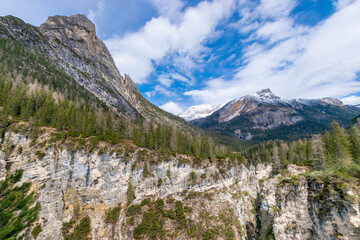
column 182, row 53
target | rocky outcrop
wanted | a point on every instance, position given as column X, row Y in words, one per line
column 74, row 40
column 308, row 207
column 97, row 181
column 72, row 182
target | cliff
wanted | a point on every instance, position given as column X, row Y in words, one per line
column 130, row 192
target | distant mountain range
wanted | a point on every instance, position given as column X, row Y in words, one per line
column 264, row 116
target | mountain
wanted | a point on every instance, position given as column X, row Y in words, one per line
column 70, row 45
column 265, row 116
column 200, row 111
column 68, row 80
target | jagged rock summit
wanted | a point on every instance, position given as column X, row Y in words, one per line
column 266, row 94
column 76, row 35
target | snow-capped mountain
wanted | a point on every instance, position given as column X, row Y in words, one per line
column 200, row 111
column 264, row 115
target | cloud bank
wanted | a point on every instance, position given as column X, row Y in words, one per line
column 291, row 59
column 135, row 52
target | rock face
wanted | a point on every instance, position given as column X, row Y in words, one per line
column 74, row 40
column 70, row 44
column 267, row 116
column 264, row 206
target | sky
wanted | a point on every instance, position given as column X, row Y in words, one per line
column 182, row 53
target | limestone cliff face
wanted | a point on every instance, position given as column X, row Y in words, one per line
column 71, row 45
column 74, row 40
column 308, row 208
column 258, row 204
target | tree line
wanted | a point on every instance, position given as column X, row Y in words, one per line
column 336, row 149
column 41, row 107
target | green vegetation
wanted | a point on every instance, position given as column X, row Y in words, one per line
column 180, row 215
column 336, row 150
column 80, row 232
column 36, row 231
column 78, row 228
column 112, row 215
column 133, row 210
column 18, row 209
column 80, row 120
column 130, row 193
column 155, row 216
column 40, row 154
column 152, row 221
column 193, row 178
column 35, row 90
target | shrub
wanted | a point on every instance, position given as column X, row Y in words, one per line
column 36, row 231
column 112, row 215
column 133, row 210
column 40, row 154
column 17, row 208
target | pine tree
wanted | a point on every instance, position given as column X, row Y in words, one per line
column 309, row 152
column 17, row 208
column 339, row 147
column 354, row 140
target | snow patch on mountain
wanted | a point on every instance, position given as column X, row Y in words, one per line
column 200, row 111
column 237, row 106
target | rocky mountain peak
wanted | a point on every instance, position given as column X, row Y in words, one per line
column 74, row 41
column 79, row 20
column 77, row 32
column 332, row 101
column 266, row 94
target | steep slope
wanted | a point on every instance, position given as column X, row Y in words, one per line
column 265, row 116
column 70, row 45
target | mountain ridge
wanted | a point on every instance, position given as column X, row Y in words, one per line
column 265, row 95
column 266, row 116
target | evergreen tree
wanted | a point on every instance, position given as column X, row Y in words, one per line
column 309, row 152
column 17, row 209
column 354, row 140
column 338, row 147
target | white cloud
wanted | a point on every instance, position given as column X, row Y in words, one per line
column 168, row 79
column 170, row 9
column 306, row 62
column 134, row 53
column 172, row 107
column 338, row 4
column 164, row 91
column 165, row 80
column 181, row 78
column 351, row 100
column 96, row 13
column 275, row 8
